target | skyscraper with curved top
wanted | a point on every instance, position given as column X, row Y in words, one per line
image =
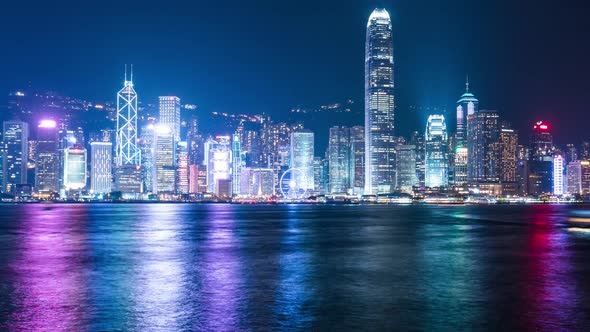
column 379, row 105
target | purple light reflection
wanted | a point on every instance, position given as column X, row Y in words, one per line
column 50, row 277
column 221, row 273
column 551, row 292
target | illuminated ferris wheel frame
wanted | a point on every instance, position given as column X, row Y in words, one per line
column 293, row 190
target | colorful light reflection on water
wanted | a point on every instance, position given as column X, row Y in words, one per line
column 222, row 267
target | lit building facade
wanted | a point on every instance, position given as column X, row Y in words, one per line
column 483, row 133
column 466, row 105
column 379, row 105
column 218, row 160
column 128, row 177
column 460, row 166
column 302, row 153
column 101, row 167
column 417, row 140
column 508, row 154
column 257, row 182
column 339, row 160
column 574, row 177
column 406, row 167
column 147, row 147
column 357, row 146
column 436, row 167
column 170, row 114
column 15, row 152
column 75, row 174
column 165, row 161
column 585, row 176
column 558, row 180
column 236, row 163
column 47, row 160
column 540, row 163
column 182, row 170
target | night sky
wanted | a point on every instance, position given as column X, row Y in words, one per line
column 527, row 59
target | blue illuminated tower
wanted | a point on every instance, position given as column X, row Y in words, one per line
column 436, row 169
column 379, row 105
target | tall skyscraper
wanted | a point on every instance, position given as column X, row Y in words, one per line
column 357, row 146
column 47, row 163
column 218, row 160
column 236, row 163
column 460, row 165
column 15, row 152
column 417, row 140
column 339, row 159
column 436, row 167
column 147, row 141
column 406, row 167
column 302, row 153
column 508, row 154
column 467, row 105
column 128, row 155
column 170, row 114
column 182, row 170
column 558, row 181
column 75, row 174
column 379, row 105
column 540, row 173
column 585, row 176
column 483, row 132
column 574, row 177
column 101, row 167
column 164, row 177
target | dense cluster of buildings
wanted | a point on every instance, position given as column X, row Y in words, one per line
column 163, row 156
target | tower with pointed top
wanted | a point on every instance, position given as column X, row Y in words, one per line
column 379, row 105
column 128, row 155
column 466, row 105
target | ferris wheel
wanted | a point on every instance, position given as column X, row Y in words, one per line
column 293, row 184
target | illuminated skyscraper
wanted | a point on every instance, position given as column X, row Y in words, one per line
column 47, row 163
column 379, row 105
column 302, row 153
column 558, row 184
column 15, row 140
column 406, row 167
column 101, row 167
column 128, row 152
column 585, row 176
column 417, row 140
column 170, row 114
column 75, row 168
column 128, row 155
column 467, row 105
column 182, row 170
column 508, row 154
column 164, row 178
column 339, row 159
column 540, row 163
column 574, row 177
column 460, row 165
column 483, row 132
column 218, row 160
column 147, row 147
column 236, row 164
column 436, row 167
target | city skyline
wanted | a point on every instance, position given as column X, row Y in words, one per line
column 480, row 153
column 498, row 65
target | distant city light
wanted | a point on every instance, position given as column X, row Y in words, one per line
column 47, row 124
